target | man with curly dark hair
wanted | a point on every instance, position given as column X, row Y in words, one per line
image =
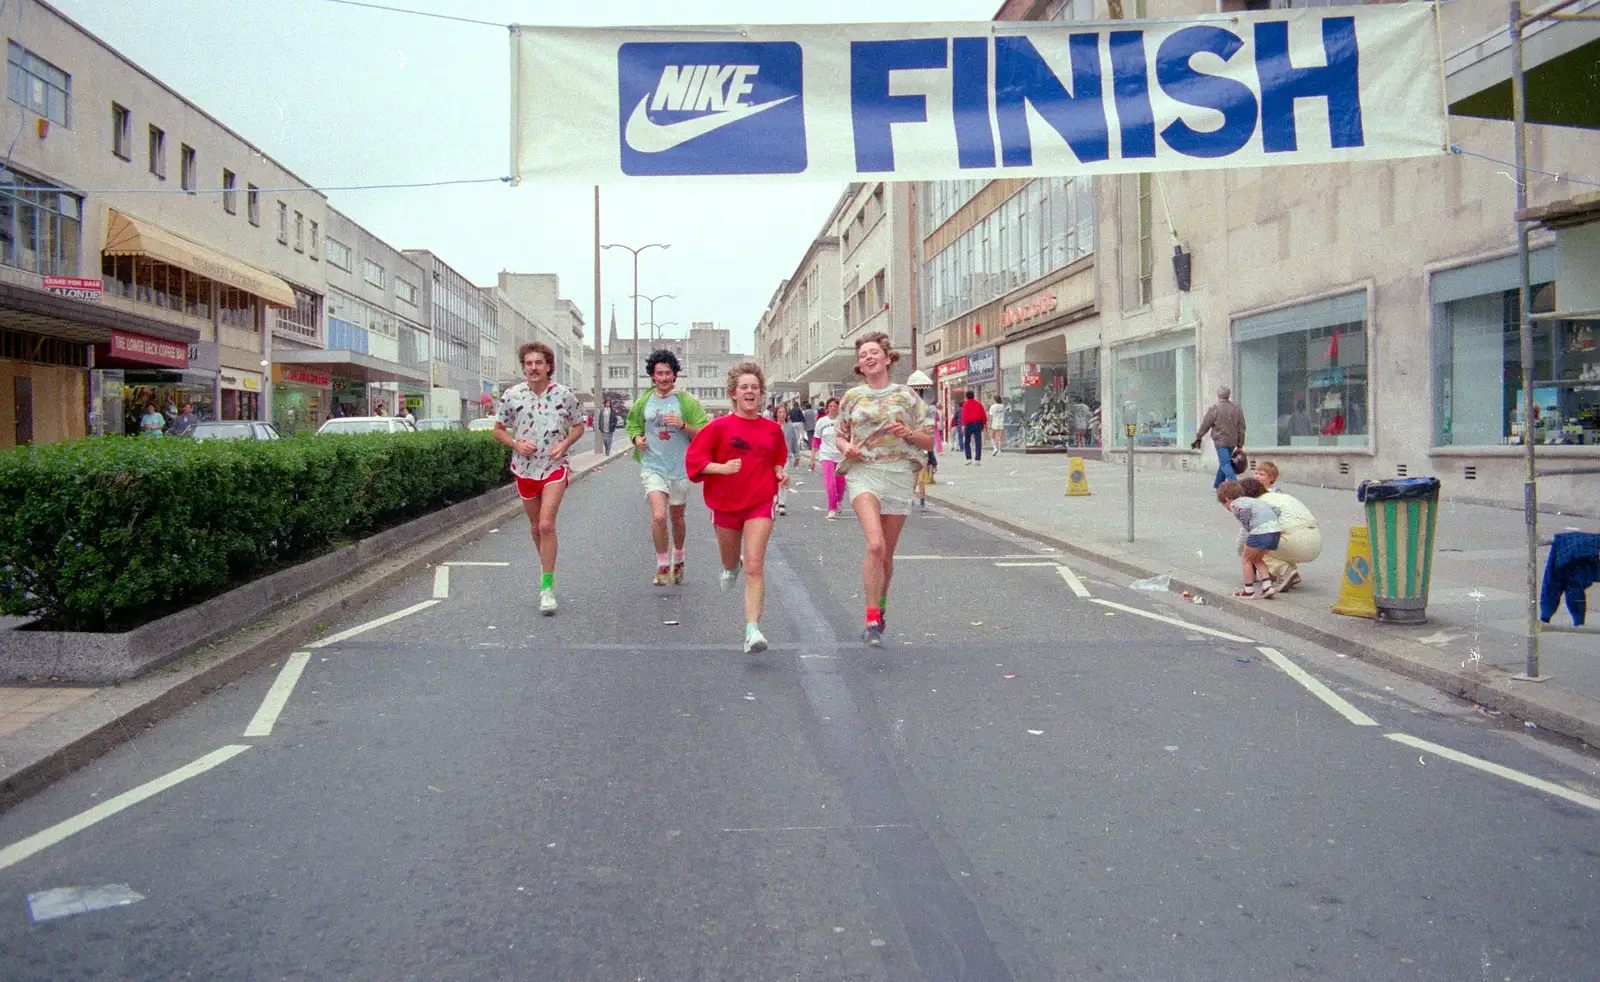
column 661, row 424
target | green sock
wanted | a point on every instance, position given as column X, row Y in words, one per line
column 883, row 603
column 547, row 581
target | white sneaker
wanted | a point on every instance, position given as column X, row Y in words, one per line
column 547, row 602
column 833, row 516
column 729, row 576
column 754, row 641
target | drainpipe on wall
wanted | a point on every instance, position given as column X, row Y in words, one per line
column 264, row 408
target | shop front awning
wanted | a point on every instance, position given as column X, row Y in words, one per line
column 1559, row 59
column 351, row 365
column 831, row 367
column 127, row 236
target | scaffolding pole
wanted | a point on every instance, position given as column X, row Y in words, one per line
column 1530, row 475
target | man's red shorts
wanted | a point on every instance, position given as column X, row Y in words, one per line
column 736, row 519
column 530, row 488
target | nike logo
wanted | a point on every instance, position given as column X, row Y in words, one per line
column 647, row 136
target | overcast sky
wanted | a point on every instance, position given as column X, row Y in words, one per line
column 346, row 95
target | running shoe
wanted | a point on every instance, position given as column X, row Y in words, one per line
column 729, row 576
column 663, row 576
column 677, row 573
column 547, row 602
column 754, row 641
column 873, row 635
column 783, row 509
column 833, row 516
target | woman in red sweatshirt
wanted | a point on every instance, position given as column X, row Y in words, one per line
column 739, row 460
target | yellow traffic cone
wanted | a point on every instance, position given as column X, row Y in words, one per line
column 1077, row 479
column 1355, row 586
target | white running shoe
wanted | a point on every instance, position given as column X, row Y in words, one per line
column 729, row 576
column 833, row 516
column 547, row 602
column 754, row 641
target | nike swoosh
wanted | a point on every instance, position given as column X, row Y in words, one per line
column 647, row 136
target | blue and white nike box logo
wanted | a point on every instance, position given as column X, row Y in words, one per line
column 711, row 108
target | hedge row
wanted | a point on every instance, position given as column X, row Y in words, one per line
column 110, row 533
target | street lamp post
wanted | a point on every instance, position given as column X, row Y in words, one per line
column 652, row 302
column 654, row 336
column 634, row 359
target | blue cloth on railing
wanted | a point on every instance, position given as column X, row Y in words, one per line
column 1573, row 565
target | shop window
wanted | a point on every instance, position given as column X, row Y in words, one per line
column 121, row 132
column 1477, row 355
column 1157, row 382
column 38, row 86
column 1054, row 405
column 302, row 320
column 1302, row 374
column 40, row 225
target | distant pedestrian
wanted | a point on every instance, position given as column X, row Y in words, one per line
column 1302, row 538
column 796, row 430
column 185, row 421
column 610, row 422
column 826, row 449
column 884, row 431
column 997, row 423
column 739, row 460
column 540, row 420
column 152, row 424
column 1225, row 422
column 1263, row 532
column 973, row 419
column 810, row 413
column 661, row 425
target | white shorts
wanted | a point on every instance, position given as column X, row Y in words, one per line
column 677, row 492
column 891, row 484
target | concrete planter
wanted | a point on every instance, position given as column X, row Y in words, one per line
column 97, row 657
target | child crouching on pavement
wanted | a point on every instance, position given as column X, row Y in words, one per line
column 1262, row 532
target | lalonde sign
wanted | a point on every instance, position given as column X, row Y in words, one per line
column 976, row 100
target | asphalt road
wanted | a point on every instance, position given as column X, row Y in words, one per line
column 1022, row 784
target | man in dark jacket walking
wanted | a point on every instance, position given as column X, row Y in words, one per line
column 1225, row 422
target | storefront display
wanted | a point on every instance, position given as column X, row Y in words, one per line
column 1303, row 374
column 299, row 399
column 349, row 398
column 1054, row 407
column 1156, row 381
column 241, row 394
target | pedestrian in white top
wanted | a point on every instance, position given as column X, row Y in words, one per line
column 827, row 450
column 540, row 420
column 997, row 424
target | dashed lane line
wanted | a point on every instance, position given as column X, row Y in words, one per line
column 1024, row 564
column 441, row 583
column 40, row 841
column 1488, row 767
column 369, row 625
column 1224, row 635
column 1316, row 688
column 1073, row 581
column 495, row 565
column 278, row 696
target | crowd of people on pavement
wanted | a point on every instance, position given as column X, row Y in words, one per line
column 873, row 444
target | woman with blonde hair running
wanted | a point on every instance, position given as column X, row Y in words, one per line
column 885, row 432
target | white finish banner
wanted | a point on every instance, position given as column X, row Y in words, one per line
column 849, row 102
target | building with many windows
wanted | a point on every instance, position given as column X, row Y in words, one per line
column 459, row 315
column 173, row 281
column 538, row 296
column 705, row 357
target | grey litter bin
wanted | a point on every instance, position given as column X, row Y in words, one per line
column 1401, row 515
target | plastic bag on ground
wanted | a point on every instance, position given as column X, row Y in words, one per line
column 1154, row 584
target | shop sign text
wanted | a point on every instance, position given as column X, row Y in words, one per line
column 1044, row 303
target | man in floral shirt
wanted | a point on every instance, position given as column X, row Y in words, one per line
column 540, row 420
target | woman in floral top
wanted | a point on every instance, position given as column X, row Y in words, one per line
column 884, row 431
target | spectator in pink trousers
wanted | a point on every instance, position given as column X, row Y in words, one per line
column 825, row 449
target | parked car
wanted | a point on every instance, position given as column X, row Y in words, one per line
column 483, row 425
column 440, row 423
column 367, row 424
column 231, row 429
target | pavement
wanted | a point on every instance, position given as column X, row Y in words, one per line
column 1042, row 775
column 1474, row 641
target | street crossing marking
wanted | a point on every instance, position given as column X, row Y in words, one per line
column 278, row 696
column 40, row 841
column 1316, row 688
column 497, row 565
column 369, row 625
column 1024, row 564
column 441, row 583
column 1224, row 635
column 1013, row 555
column 1488, row 767
column 1073, row 581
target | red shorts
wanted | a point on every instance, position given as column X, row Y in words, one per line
column 530, row 488
column 736, row 519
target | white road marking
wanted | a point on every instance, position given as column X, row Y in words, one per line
column 369, row 625
column 824, row 828
column 39, row 841
column 441, row 583
column 278, row 696
column 1316, row 688
column 1074, row 582
column 1024, row 564
column 498, row 565
column 1527, row 780
column 1014, row 555
column 47, row 905
column 1224, row 635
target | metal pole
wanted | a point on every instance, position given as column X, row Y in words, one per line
column 1530, row 479
column 1128, row 429
column 634, row 360
column 599, row 383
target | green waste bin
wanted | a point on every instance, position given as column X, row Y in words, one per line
column 1401, row 515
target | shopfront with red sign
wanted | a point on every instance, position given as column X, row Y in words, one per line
column 301, row 398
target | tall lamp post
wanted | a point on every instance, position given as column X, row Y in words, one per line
column 654, row 336
column 636, row 251
column 652, row 302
